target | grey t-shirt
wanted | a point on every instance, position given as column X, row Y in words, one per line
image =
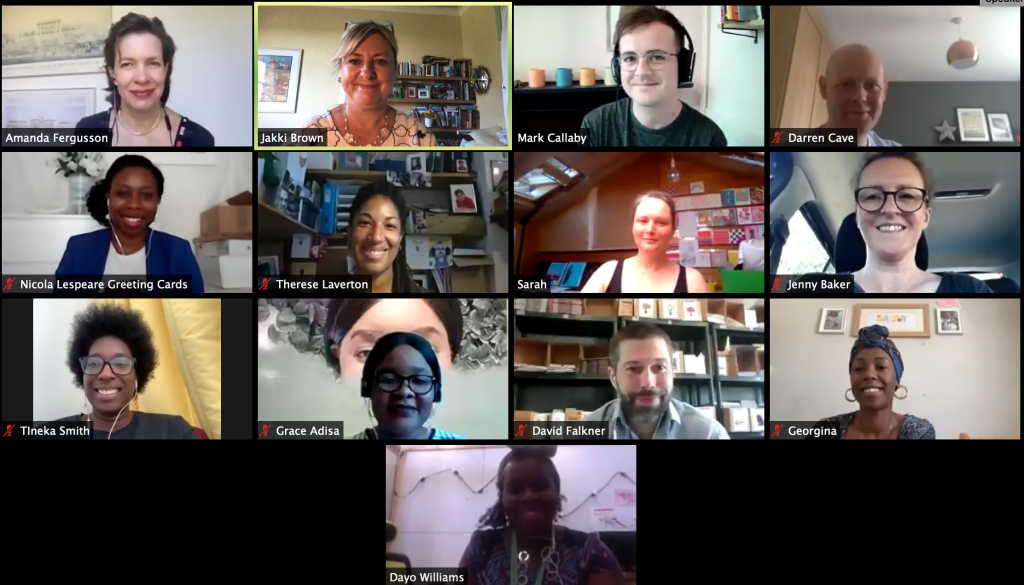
column 614, row 125
column 146, row 425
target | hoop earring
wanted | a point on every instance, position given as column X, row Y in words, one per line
column 898, row 386
column 850, row 390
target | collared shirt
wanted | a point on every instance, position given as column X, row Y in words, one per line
column 876, row 140
column 681, row 421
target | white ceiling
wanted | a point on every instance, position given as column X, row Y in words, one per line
column 912, row 40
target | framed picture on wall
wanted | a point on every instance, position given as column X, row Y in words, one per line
column 973, row 127
column 948, row 321
column 279, row 84
column 832, row 321
column 54, row 40
column 900, row 320
column 47, row 108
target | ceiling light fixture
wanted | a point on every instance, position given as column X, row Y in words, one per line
column 962, row 54
column 673, row 173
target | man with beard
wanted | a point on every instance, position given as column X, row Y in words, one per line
column 641, row 371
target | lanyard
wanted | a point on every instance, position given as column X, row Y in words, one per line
column 513, row 566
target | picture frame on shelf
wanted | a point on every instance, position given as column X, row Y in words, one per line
column 461, row 165
column 423, row 93
column 1000, row 126
column 463, row 198
column 973, row 125
column 410, row 92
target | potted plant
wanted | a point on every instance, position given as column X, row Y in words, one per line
column 428, row 118
column 81, row 169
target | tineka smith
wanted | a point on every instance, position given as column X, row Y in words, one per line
column 552, row 137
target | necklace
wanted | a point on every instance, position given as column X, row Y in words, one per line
column 121, row 122
column 549, row 553
column 351, row 139
column 891, row 423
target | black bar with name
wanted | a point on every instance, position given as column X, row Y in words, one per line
column 531, row 284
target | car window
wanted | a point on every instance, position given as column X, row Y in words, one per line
column 803, row 252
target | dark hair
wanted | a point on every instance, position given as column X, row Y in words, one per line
column 132, row 23
column 911, row 157
column 494, row 517
column 342, row 314
column 661, row 196
column 644, row 15
column 98, row 321
column 635, row 331
column 385, row 345
column 96, row 200
column 401, row 274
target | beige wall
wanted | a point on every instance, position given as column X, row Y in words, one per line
column 317, row 31
column 966, row 383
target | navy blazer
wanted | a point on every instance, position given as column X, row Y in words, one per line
column 86, row 255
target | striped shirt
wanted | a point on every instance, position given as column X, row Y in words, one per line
column 435, row 435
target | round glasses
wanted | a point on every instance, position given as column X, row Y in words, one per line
column 120, row 365
column 656, row 60
column 908, row 199
column 418, row 383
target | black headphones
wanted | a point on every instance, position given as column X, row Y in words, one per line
column 687, row 60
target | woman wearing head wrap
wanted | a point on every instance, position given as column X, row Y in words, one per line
column 876, row 368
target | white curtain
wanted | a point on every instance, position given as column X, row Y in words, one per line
column 504, row 61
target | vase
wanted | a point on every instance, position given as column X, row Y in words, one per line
column 78, row 190
column 427, row 122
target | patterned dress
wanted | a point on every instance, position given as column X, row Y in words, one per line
column 405, row 131
column 581, row 554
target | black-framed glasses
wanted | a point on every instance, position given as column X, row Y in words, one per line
column 655, row 60
column 908, row 199
column 383, row 23
column 418, row 383
column 120, row 365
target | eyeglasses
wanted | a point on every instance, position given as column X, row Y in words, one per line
column 419, row 383
column 908, row 199
column 383, row 23
column 120, row 365
column 655, row 60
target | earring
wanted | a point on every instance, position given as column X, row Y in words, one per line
column 850, row 390
column 898, row 397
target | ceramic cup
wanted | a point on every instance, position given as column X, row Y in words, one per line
column 563, row 77
column 536, row 78
column 608, row 79
column 587, row 76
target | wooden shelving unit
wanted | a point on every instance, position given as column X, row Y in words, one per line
column 272, row 224
column 430, row 78
column 374, row 175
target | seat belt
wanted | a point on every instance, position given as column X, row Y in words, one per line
column 779, row 233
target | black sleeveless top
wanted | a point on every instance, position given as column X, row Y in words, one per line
column 615, row 285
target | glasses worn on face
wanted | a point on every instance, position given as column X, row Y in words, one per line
column 656, row 60
column 419, row 383
column 908, row 199
column 120, row 365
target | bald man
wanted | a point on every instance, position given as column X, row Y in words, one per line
column 854, row 87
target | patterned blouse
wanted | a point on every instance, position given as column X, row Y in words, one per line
column 404, row 134
column 912, row 427
column 581, row 554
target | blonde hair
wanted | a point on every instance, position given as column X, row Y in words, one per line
column 356, row 34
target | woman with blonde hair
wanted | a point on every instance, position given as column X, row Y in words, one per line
column 367, row 64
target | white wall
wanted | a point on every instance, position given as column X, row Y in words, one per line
column 966, row 383
column 298, row 387
column 736, row 83
column 54, row 394
column 188, row 191
column 212, row 80
column 390, row 463
column 436, row 521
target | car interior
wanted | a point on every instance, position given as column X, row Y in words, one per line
column 974, row 229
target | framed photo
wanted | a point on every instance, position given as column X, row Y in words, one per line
column 463, row 198
column 54, row 40
column 1000, row 125
column 417, row 162
column 832, row 321
column 973, row 127
column 410, row 92
column 948, row 321
column 47, row 108
column 279, row 87
column 423, row 93
column 901, row 320
column 354, row 161
column 267, row 266
column 303, row 269
column 461, row 165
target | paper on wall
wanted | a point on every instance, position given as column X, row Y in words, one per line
column 618, row 518
column 687, row 224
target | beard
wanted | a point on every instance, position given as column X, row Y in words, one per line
column 643, row 414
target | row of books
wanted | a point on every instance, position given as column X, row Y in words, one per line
column 742, row 13
column 438, row 68
column 458, row 90
column 464, row 116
